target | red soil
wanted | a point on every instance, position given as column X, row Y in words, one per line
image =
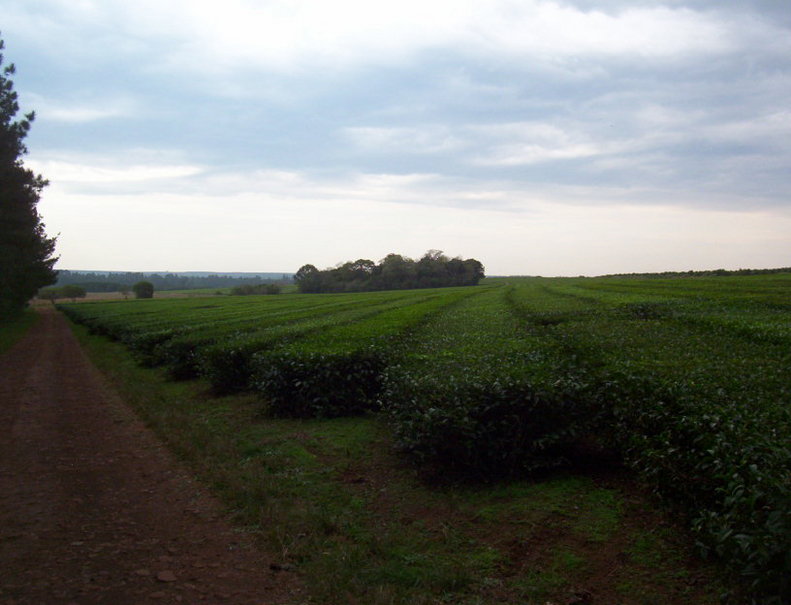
column 93, row 509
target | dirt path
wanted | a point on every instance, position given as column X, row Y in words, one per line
column 92, row 507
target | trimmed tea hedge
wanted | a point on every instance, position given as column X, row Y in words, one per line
column 474, row 395
column 339, row 371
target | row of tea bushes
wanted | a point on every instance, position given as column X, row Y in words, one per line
column 309, row 355
column 339, row 371
column 509, row 381
column 169, row 332
column 128, row 320
column 474, row 395
column 223, row 356
column 702, row 411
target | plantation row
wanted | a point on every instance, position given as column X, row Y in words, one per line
column 308, row 355
column 695, row 392
column 686, row 379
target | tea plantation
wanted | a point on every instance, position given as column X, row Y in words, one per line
column 686, row 380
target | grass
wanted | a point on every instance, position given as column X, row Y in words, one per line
column 331, row 499
column 12, row 330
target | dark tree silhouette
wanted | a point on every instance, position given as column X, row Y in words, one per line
column 394, row 272
column 26, row 261
column 143, row 289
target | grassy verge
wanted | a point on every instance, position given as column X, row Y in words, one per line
column 13, row 330
column 338, row 508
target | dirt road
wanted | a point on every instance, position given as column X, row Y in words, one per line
column 93, row 509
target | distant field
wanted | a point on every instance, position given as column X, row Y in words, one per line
column 94, row 296
column 193, row 292
column 686, row 380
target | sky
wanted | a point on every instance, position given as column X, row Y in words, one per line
column 572, row 137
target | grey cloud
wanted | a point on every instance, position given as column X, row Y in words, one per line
column 709, row 123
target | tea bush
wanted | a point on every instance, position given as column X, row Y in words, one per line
column 316, row 384
column 700, row 409
column 474, row 395
column 339, row 370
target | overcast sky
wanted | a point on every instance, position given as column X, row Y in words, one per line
column 552, row 138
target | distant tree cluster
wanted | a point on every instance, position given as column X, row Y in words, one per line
column 113, row 282
column 71, row 291
column 143, row 289
column 704, row 273
column 394, row 272
column 256, row 289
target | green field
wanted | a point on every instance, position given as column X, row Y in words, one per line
column 683, row 381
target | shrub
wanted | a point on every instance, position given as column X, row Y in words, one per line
column 143, row 289
column 247, row 289
column 147, row 346
column 51, row 294
column 228, row 366
column 319, row 384
column 716, row 459
column 484, row 425
column 71, row 291
column 338, row 371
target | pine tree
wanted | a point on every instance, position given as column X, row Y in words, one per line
column 26, row 261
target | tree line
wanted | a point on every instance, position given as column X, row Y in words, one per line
column 704, row 273
column 141, row 289
column 112, row 282
column 393, row 272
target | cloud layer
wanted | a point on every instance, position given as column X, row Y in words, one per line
column 443, row 113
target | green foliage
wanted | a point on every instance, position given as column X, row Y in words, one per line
column 247, row 289
column 229, row 364
column 319, row 384
column 26, row 262
column 219, row 341
column 51, row 294
column 484, row 427
column 472, row 396
column 113, row 280
column 394, row 272
column 71, row 291
column 693, row 390
column 330, row 499
column 706, row 273
column 338, row 371
column 687, row 380
column 716, row 459
column 143, row 289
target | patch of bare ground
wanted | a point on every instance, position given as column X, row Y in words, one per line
column 561, row 549
column 641, row 560
column 93, row 509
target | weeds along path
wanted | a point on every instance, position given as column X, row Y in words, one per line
column 93, row 509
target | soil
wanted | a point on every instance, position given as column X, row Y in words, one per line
column 93, row 508
column 529, row 545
